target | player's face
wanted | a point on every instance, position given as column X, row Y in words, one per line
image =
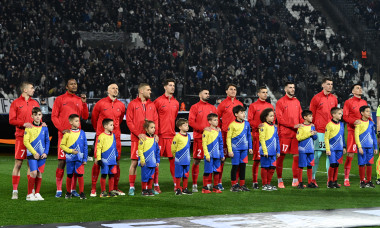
column 113, row 90
column 309, row 118
column 358, row 91
column 338, row 115
column 72, row 86
column 109, row 126
column 204, row 95
column 327, row 86
column 151, row 129
column 290, row 89
column 37, row 117
column 214, row 122
column 270, row 117
column 29, row 90
column 367, row 113
column 231, row 91
column 240, row 115
column 170, row 88
column 263, row 94
column 146, row 91
column 75, row 123
column 184, row 127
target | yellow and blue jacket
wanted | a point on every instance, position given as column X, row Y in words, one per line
column 36, row 140
column 75, row 140
column 106, row 150
column 269, row 141
column 212, row 143
column 181, row 149
column 334, row 136
column 365, row 135
column 149, row 152
column 305, row 139
column 239, row 136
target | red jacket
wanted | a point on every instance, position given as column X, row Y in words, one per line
column 20, row 112
column 198, row 117
column 351, row 111
column 288, row 113
column 254, row 111
column 321, row 105
column 64, row 106
column 225, row 114
column 167, row 114
column 137, row 114
column 106, row 108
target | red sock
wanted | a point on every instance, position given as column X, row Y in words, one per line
column 279, row 165
column 38, row 184
column 144, row 185
column 58, row 178
column 156, row 173
column 336, row 173
column 361, row 173
column 150, row 183
column 111, row 183
column 300, row 171
column 178, row 183
column 81, row 184
column 347, row 167
column 103, row 184
column 15, row 181
column 255, row 170
column 216, row 179
column 264, row 175
column 31, row 183
column 116, row 178
column 205, row 179
column 242, row 182
column 309, row 175
column 94, row 176
column 185, row 182
column 132, row 179
column 209, row 179
column 369, row 173
column 331, row 174
column 295, row 167
column 233, row 182
column 68, row 184
column 195, row 173
column 28, row 176
column 172, row 167
column 74, row 182
column 270, row 173
column 221, row 172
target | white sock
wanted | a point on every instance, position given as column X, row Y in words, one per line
column 209, row 186
column 155, row 185
column 131, row 187
column 194, row 185
column 15, row 190
column 280, row 180
column 59, row 191
column 295, row 180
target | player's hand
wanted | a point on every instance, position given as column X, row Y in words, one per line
column 375, row 151
column 298, row 126
column 65, row 131
column 84, row 163
column 43, row 156
column 44, row 124
column 207, row 129
column 361, row 151
column 329, row 152
column 266, row 155
column 218, row 129
column 250, row 151
column 36, row 156
column 313, row 132
column 357, row 122
column 278, row 155
column 83, row 98
column 156, row 138
column 260, row 125
column 142, row 137
column 223, row 159
column 208, row 159
column 231, row 154
column 142, row 163
column 157, row 164
column 95, row 160
column 312, row 125
column 344, row 151
column 75, row 151
column 27, row 125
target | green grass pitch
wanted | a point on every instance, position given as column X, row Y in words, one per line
column 53, row 210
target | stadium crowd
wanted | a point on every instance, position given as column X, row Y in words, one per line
column 368, row 12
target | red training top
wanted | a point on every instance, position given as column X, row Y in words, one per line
column 167, row 110
column 254, row 112
column 20, row 112
column 351, row 111
column 225, row 114
column 198, row 117
column 321, row 105
column 288, row 112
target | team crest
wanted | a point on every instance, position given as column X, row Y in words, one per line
column 141, row 142
column 204, row 135
column 174, row 142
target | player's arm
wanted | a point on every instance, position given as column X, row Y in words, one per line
column 27, row 144
column 85, row 149
column 192, row 117
column 95, row 116
column 13, row 116
column 327, row 138
column 357, row 134
column 262, row 133
column 130, row 120
column 55, row 114
column 280, row 116
column 174, row 145
column 346, row 114
column 221, row 149
column 313, row 107
column 373, row 133
column 251, row 116
column 204, row 144
column 85, row 112
column 249, row 137
column 315, row 137
column 140, row 151
column 47, row 140
column 122, row 116
column 99, row 147
column 157, row 153
column 64, row 143
column 228, row 139
column 302, row 134
column 220, row 114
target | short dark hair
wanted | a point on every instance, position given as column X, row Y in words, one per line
column 326, row 79
column 238, row 109
column 147, row 123
column 356, row 84
column 204, row 88
column 180, row 122
column 106, row 121
column 73, row 116
column 141, row 85
column 166, row 82
column 211, row 116
column 306, row 113
column 264, row 114
column 69, row 79
column 289, row 83
column 334, row 110
column 36, row 110
column 231, row 84
column 261, row 88
column 23, row 85
column 363, row 108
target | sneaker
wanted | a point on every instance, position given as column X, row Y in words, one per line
column 220, row 186
column 281, row 185
column 93, row 193
column 370, row 184
column 186, row 191
column 244, row 188
column 38, row 196
column 31, row 197
column 314, row 182
column 300, row 185
column 311, row 185
column 157, row 190
column 131, row 192
column 113, row 193
column 104, row 194
column 14, row 195
column 74, row 193
column 205, row 190
column 362, row 184
column 295, row 184
column 151, row 193
column 378, row 181
column 347, row 183
column 119, row 192
column 216, row 189
column 273, row 188
column 336, row 184
column 331, row 185
column 68, row 195
column 178, row 192
column 255, row 186
column 145, row 192
column 82, row 196
column 265, row 187
column 235, row 188
column 195, row 188
column 58, row 194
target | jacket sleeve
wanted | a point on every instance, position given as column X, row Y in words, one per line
column 99, row 147
column 85, row 149
column 357, row 136
column 130, row 119
column 343, row 137
column 158, row 153
column 64, row 142
column 85, row 112
column 122, row 115
column 55, row 114
column 221, row 149
column 251, row 116
column 47, row 140
column 155, row 119
column 373, row 133
column 313, row 106
column 346, row 113
column 262, row 132
column 280, row 116
column 278, row 149
column 140, row 151
column 327, row 138
column 13, row 116
column 204, row 144
column 95, row 116
column 192, row 116
column 302, row 134
column 174, row 146
column 229, row 139
column 220, row 113
column 315, row 137
column 27, row 144
column 249, row 137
